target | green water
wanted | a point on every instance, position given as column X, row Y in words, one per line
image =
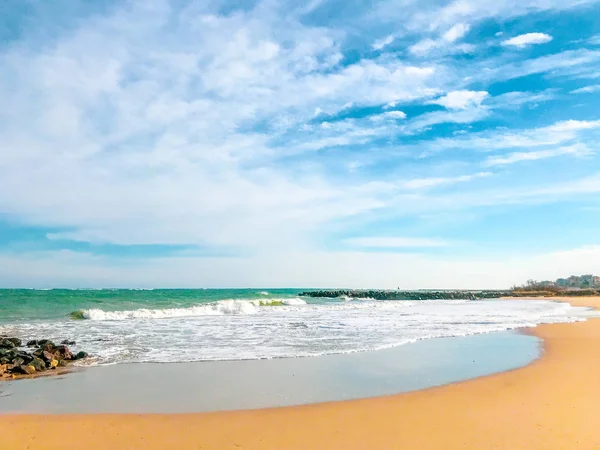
column 19, row 305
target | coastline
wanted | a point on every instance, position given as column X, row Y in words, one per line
column 208, row 386
column 549, row 404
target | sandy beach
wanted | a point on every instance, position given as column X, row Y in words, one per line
column 550, row 404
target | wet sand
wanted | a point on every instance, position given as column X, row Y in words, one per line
column 252, row 384
column 550, row 404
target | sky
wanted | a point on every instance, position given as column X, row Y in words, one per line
column 327, row 143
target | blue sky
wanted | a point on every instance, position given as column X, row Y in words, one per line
column 267, row 143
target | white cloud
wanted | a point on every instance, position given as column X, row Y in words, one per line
column 420, row 17
column 389, row 116
column 426, row 183
column 309, row 6
column 381, row 43
column 456, row 32
column 461, row 99
column 457, row 116
column 517, row 99
column 423, row 47
column 557, row 134
column 395, row 114
column 587, row 89
column 123, row 116
column 476, row 112
column 525, row 40
column 421, row 72
column 196, row 150
column 511, row 158
column 589, row 74
column 395, row 242
column 573, row 125
column 445, row 43
column 569, row 63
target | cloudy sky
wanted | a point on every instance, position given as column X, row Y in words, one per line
column 276, row 143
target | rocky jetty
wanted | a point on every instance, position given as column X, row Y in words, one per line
column 405, row 295
column 16, row 361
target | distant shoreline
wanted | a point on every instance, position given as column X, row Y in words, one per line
column 384, row 294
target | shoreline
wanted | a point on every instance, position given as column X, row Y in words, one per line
column 548, row 404
column 148, row 388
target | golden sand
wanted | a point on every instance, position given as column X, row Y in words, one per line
column 553, row 404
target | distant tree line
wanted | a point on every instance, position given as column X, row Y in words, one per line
column 533, row 285
column 572, row 286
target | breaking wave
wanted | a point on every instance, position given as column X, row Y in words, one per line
column 222, row 307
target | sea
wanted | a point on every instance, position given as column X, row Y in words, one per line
column 183, row 325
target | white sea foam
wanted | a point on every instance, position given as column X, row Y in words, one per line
column 222, row 307
column 243, row 329
column 212, row 309
column 347, row 298
column 293, row 301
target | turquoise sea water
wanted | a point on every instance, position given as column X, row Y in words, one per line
column 184, row 325
column 34, row 304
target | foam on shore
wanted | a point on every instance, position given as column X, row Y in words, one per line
column 266, row 328
column 223, row 307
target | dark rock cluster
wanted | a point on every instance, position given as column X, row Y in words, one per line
column 15, row 361
column 406, row 295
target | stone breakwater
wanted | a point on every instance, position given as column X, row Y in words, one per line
column 405, row 295
column 16, row 361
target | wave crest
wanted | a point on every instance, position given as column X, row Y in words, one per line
column 222, row 307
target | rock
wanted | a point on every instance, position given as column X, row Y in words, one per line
column 38, row 364
column 18, row 361
column 81, row 355
column 15, row 362
column 5, row 343
column 62, row 352
column 6, row 356
column 68, row 342
column 47, row 356
column 24, row 370
column 14, row 340
column 47, row 345
column 25, row 357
